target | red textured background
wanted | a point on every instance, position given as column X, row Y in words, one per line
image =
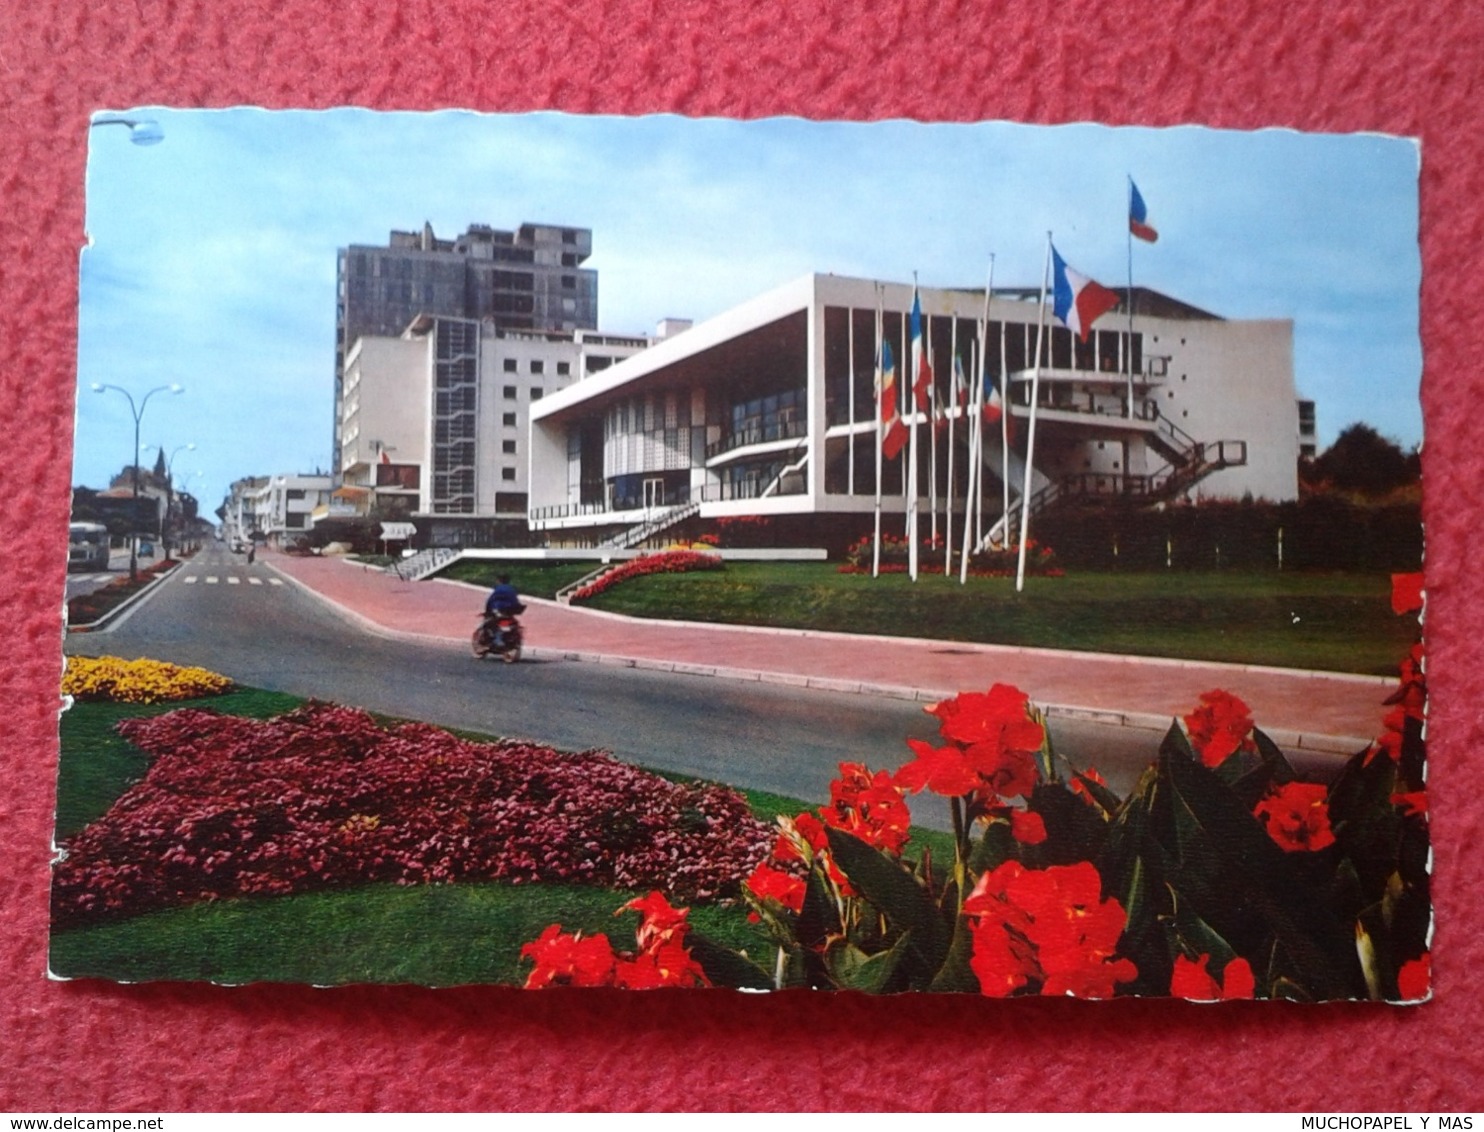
column 1406, row 68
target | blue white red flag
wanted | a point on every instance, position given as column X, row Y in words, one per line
column 893, row 431
column 1138, row 215
column 1078, row 300
column 922, row 380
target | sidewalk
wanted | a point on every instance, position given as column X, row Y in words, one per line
column 1332, row 712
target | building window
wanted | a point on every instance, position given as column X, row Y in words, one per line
column 536, row 392
column 509, row 365
column 569, row 259
column 538, row 366
column 569, row 235
column 564, row 369
column 569, row 282
column 508, row 420
column 508, row 447
column 509, row 392
column 507, row 474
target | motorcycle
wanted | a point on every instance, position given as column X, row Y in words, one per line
column 498, row 633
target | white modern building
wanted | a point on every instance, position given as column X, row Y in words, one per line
column 277, row 508
column 770, row 409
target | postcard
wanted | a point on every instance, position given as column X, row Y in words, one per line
column 654, row 552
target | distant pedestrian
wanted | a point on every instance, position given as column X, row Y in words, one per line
column 252, row 552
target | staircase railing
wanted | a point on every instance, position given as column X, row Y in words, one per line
column 649, row 527
column 424, row 563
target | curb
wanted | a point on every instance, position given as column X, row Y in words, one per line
column 103, row 623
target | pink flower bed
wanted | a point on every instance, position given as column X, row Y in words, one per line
column 324, row 797
column 667, row 562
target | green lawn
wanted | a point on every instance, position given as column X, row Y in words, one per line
column 536, row 579
column 436, row 935
column 1329, row 621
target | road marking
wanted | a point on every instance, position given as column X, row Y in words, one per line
column 188, row 579
column 233, row 580
column 256, row 581
column 212, row 579
column 275, row 581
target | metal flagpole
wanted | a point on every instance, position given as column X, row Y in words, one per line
column 880, row 429
column 1128, row 352
column 1030, row 444
column 1004, row 433
column 976, row 453
column 850, row 441
column 981, row 376
column 951, row 410
column 932, row 415
column 912, row 490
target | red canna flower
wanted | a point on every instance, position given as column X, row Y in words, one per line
column 1296, row 816
column 870, row 806
column 1027, row 827
column 658, row 921
column 1220, row 727
column 1047, row 925
column 569, row 960
column 943, row 770
column 992, row 746
column 768, row 883
column 1191, row 980
column 1413, row 804
column 668, row 964
column 1406, row 593
column 1414, row 980
column 999, row 718
column 1081, row 790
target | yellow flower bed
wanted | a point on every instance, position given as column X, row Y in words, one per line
column 141, row 681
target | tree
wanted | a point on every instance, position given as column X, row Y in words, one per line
column 1363, row 461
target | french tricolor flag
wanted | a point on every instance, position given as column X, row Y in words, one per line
column 1078, row 300
column 1138, row 215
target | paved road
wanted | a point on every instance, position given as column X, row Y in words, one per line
column 242, row 620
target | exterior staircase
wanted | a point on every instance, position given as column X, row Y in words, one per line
column 424, row 563
column 650, row 526
column 1190, row 462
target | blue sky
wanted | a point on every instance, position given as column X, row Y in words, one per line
column 211, row 257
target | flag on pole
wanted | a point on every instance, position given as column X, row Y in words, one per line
column 1138, row 215
column 1077, row 300
column 960, row 383
column 994, row 409
column 922, row 380
column 893, row 431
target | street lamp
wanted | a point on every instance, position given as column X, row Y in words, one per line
column 170, row 490
column 142, row 131
column 138, row 412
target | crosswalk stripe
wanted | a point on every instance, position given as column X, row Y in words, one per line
column 256, row 581
column 189, row 579
column 212, row 579
column 233, row 580
column 275, row 582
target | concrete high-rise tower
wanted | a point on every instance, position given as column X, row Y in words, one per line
column 528, row 279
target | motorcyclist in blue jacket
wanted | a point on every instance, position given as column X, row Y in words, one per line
column 503, row 601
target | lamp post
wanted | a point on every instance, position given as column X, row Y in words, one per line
column 138, row 413
column 170, row 490
column 142, row 131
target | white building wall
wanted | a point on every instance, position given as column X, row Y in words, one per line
column 1234, row 380
column 384, row 402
